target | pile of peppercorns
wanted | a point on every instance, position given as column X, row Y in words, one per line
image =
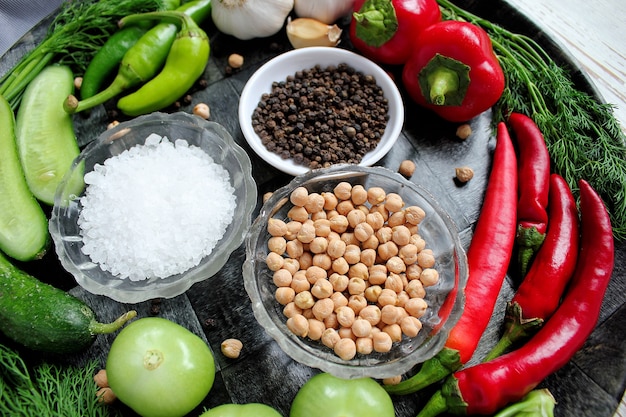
column 322, row 116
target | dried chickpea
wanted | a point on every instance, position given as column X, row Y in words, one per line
column 314, row 203
column 401, row 235
column 330, row 201
column 235, row 61
column 323, row 261
column 277, row 244
column 331, row 321
column 382, row 342
column 300, row 283
column 355, row 217
column 429, row 277
column 274, row 261
column 100, row 378
column 314, row 273
column 364, row 345
column 306, row 260
column 394, row 331
column 370, row 243
column 371, row 313
column 293, row 227
column 350, row 239
column 356, row 285
column 308, row 313
column 363, row 231
column 298, row 214
column 339, row 223
column 345, row 348
column 299, row 325
column 323, row 308
column 322, row 227
column 231, row 348
column 106, row 395
column 344, row 207
column 358, row 195
column 410, row 326
column 306, row 233
column 408, row 254
column 426, row 259
column 403, row 297
column 414, row 214
column 336, row 248
column 464, row 174
column 406, row 168
column 389, row 314
column 291, row 310
column 359, row 270
column 361, row 328
column 316, row 328
column 346, row 333
column 352, row 254
column 276, row 227
column 284, row 295
column 396, row 219
column 413, row 271
column 394, row 283
column 464, row 131
column 377, row 274
column 340, row 266
column 415, row 289
column 394, row 202
column 345, row 316
column 396, row 265
column 299, row 196
column 376, row 195
column 304, row 300
column 294, row 249
column 387, row 250
column 357, row 302
column 384, row 234
column 380, row 208
column 202, row 110
column 320, row 215
column 375, row 220
column 368, row 257
column 416, row 307
column 322, row 289
column 394, row 380
column 330, row 337
column 291, row 265
column 387, row 297
column 282, row 278
column 317, row 245
column 343, row 190
column 372, row 292
column 339, row 300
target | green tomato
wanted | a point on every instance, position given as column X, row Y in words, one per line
column 159, row 369
column 242, row 410
column 329, row 396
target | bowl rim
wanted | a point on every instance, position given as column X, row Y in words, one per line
column 307, row 58
column 289, row 344
column 193, row 275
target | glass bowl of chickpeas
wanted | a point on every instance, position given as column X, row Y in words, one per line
column 355, row 271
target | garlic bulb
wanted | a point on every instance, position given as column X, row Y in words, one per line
column 303, row 32
column 326, row 11
column 247, row 19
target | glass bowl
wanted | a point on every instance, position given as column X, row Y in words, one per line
column 286, row 64
column 445, row 299
column 212, row 138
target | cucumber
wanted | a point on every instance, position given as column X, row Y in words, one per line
column 44, row 318
column 46, row 141
column 23, row 224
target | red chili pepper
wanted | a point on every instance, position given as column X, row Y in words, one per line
column 454, row 71
column 540, row 293
column 488, row 259
column 534, row 183
column 489, row 386
column 384, row 30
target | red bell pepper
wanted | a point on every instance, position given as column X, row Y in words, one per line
column 384, row 30
column 454, row 71
column 534, row 183
column 489, row 386
column 488, row 259
column 540, row 293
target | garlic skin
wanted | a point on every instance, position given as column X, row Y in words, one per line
column 326, row 11
column 303, row 32
column 248, row 19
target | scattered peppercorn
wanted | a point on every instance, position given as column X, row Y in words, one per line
column 464, row 131
column 407, row 168
column 322, row 116
column 464, row 174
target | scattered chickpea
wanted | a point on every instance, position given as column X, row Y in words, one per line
column 394, row 380
column 235, row 61
column 100, row 378
column 231, row 348
column 464, row 174
column 106, row 395
column 407, row 168
column 464, row 131
column 112, row 124
column 202, row 110
column 78, row 82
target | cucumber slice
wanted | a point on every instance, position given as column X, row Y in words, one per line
column 46, row 141
column 23, row 223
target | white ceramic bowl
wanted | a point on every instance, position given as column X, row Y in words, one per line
column 66, row 233
column 289, row 63
column 445, row 299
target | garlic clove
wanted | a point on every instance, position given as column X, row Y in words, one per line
column 303, row 32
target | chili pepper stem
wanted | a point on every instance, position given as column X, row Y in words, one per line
column 433, row 370
column 516, row 328
column 436, row 405
column 73, row 105
column 529, row 241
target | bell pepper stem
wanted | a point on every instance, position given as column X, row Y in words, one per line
column 444, row 81
column 537, row 403
column 516, row 328
column 445, row 362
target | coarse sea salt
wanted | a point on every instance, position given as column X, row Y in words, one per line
column 155, row 210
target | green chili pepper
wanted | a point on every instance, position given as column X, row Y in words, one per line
column 185, row 63
column 109, row 56
column 144, row 59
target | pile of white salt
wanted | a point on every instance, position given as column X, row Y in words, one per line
column 155, row 210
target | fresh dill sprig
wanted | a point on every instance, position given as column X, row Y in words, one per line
column 584, row 139
column 75, row 35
